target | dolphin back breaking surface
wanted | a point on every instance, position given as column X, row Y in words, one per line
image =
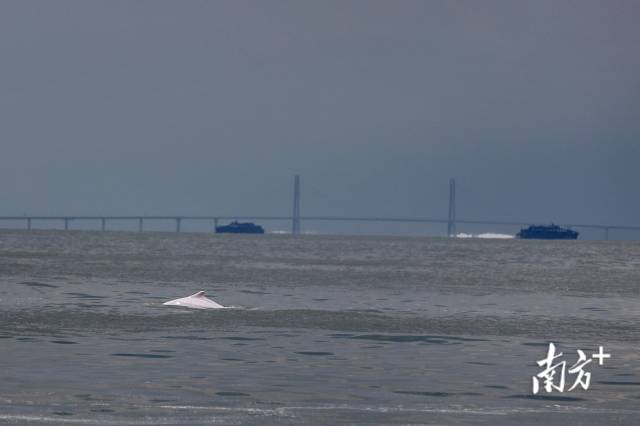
column 195, row 301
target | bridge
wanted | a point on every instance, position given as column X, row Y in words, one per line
column 296, row 218
column 66, row 221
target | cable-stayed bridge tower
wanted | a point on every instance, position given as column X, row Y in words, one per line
column 451, row 223
column 295, row 222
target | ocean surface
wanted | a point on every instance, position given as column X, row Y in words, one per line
column 324, row 330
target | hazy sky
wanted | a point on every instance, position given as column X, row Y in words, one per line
column 210, row 107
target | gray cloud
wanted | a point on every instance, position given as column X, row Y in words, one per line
column 210, row 107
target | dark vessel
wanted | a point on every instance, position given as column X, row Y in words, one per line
column 240, row 228
column 547, row 232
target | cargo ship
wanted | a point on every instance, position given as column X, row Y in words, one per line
column 240, row 228
column 547, row 232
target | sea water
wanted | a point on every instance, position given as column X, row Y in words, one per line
column 326, row 329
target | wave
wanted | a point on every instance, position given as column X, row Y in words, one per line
column 488, row 235
column 67, row 324
column 220, row 414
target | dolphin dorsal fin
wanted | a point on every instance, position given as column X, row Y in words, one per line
column 199, row 294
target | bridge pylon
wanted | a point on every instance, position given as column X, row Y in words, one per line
column 295, row 222
column 451, row 223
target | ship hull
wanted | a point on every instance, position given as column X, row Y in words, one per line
column 222, row 230
column 240, row 228
column 546, row 236
column 551, row 232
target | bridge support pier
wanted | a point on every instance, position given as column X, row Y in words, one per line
column 178, row 223
column 103, row 224
column 140, row 225
column 606, row 233
column 66, row 223
column 215, row 225
column 29, row 223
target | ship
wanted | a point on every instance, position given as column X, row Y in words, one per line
column 547, row 232
column 240, row 228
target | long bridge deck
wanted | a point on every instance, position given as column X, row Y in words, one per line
column 67, row 219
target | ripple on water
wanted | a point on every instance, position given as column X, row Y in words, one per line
column 86, row 296
column 129, row 339
column 496, row 387
column 314, row 353
column 232, row 394
column 594, row 309
column 423, row 393
column 38, row 284
column 141, row 355
column 400, row 338
column 242, row 338
column 187, row 338
column 616, row 383
column 85, row 397
column 546, row 397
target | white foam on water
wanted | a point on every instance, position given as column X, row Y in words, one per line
column 297, row 411
column 283, row 232
column 488, row 235
column 288, row 410
column 146, row 420
column 495, row 235
column 59, row 420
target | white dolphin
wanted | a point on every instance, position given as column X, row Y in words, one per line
column 196, row 301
